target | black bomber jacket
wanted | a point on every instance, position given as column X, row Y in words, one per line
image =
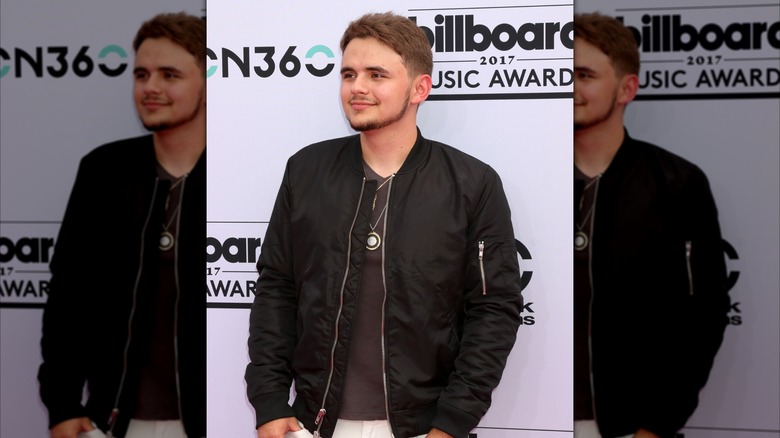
column 104, row 272
column 660, row 302
column 450, row 266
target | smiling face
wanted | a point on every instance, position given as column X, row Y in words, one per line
column 169, row 87
column 596, row 86
column 376, row 90
column 600, row 92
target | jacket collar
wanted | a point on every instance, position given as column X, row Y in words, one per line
column 417, row 156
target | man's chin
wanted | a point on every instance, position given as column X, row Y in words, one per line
column 155, row 124
column 156, row 127
column 365, row 125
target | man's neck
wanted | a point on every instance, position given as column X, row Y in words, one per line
column 178, row 150
column 385, row 150
column 596, row 146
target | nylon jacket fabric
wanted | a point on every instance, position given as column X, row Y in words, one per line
column 104, row 273
column 660, row 303
column 445, row 342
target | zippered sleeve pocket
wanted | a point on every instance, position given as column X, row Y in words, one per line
column 481, row 245
column 688, row 246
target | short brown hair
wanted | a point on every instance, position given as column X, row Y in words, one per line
column 611, row 37
column 397, row 32
column 187, row 31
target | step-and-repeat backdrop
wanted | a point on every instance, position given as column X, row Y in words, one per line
column 502, row 93
column 710, row 92
column 66, row 85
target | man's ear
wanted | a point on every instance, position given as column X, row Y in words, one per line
column 627, row 89
column 421, row 89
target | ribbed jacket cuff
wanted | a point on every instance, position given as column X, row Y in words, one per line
column 271, row 406
column 454, row 421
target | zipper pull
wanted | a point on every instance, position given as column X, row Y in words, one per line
column 688, row 246
column 482, row 266
column 112, row 417
column 111, row 421
column 317, row 422
column 320, row 414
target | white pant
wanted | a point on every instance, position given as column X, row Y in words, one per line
column 146, row 429
column 155, row 429
column 353, row 429
column 589, row 429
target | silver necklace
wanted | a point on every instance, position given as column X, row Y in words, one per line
column 581, row 239
column 376, row 192
column 374, row 241
column 166, row 237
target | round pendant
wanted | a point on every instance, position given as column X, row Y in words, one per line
column 166, row 241
column 373, row 241
column 580, row 241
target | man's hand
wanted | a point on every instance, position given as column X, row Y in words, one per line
column 437, row 433
column 644, row 433
column 71, row 428
column 277, row 428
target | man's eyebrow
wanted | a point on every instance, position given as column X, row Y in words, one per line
column 377, row 69
column 165, row 68
column 584, row 68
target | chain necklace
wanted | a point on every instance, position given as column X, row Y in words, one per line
column 581, row 239
column 374, row 241
column 166, row 237
column 376, row 192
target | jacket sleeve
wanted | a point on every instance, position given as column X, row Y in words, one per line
column 62, row 373
column 492, row 311
column 705, row 311
column 272, row 321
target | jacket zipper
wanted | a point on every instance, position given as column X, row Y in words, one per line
column 688, row 246
column 176, row 303
column 115, row 411
column 592, row 295
column 321, row 413
column 482, row 266
column 384, row 301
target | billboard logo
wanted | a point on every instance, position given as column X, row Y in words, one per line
column 233, row 249
column 26, row 249
column 459, row 33
column 667, row 33
column 488, row 53
column 718, row 51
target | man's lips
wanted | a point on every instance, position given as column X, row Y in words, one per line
column 153, row 104
column 360, row 104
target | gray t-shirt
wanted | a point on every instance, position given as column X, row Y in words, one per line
column 364, row 397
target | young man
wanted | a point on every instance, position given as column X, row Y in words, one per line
column 650, row 281
column 126, row 310
column 389, row 288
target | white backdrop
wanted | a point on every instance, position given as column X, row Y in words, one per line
column 49, row 120
column 514, row 122
column 255, row 123
column 730, row 129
